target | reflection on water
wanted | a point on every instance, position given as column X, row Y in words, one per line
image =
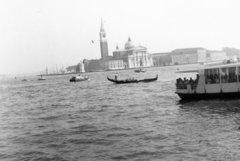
column 223, row 106
column 99, row 120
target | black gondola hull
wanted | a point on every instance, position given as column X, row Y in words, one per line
column 132, row 81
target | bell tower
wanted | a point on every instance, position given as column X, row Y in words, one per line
column 103, row 42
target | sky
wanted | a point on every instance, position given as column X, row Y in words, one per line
column 35, row 34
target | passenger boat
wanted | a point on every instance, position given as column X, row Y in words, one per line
column 133, row 80
column 79, row 79
column 214, row 81
column 139, row 70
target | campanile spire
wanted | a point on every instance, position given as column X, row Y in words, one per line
column 103, row 41
column 102, row 27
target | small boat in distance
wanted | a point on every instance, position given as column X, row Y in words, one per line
column 79, row 78
column 41, row 78
column 132, row 80
column 24, row 80
column 140, row 70
column 213, row 81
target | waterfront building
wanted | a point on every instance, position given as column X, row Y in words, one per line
column 133, row 56
column 188, row 55
column 71, row 69
column 94, row 65
column 80, row 67
column 216, row 56
column 62, row 70
column 116, row 64
column 162, row 59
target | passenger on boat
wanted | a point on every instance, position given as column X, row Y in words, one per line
column 208, row 81
column 182, row 84
column 191, row 80
column 196, row 80
column 177, row 80
column 180, row 80
column 185, row 81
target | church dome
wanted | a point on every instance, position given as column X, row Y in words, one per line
column 129, row 44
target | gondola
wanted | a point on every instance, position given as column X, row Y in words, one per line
column 133, row 81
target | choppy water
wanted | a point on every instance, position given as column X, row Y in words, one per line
column 99, row 120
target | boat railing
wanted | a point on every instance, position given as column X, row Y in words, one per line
column 184, row 86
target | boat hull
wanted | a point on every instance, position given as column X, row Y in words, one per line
column 133, row 81
column 200, row 96
column 78, row 80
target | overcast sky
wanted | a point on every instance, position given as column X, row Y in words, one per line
column 35, row 34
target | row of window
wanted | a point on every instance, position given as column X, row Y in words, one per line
column 225, row 75
column 113, row 66
column 115, row 62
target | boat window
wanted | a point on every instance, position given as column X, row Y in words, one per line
column 238, row 74
column 224, row 75
column 212, row 76
column 232, row 74
column 228, row 75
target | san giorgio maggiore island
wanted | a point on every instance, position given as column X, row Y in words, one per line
column 131, row 57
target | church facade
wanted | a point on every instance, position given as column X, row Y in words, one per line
column 133, row 56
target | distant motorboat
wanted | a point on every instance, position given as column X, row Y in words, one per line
column 79, row 78
column 41, row 78
column 140, row 70
column 24, row 79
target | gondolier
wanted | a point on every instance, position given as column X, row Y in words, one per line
column 116, row 75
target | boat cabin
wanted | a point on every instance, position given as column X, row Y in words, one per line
column 218, row 78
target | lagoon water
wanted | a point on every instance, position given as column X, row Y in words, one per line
column 57, row 120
